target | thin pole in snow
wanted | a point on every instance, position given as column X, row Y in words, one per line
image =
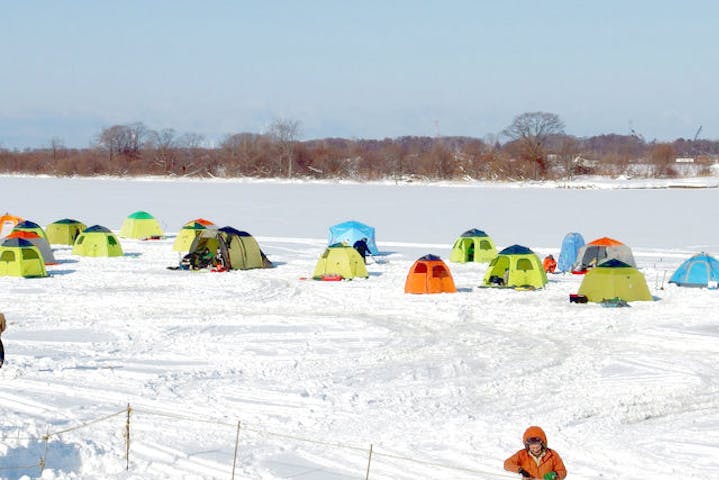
column 127, row 438
column 43, row 459
column 369, row 461
column 237, row 441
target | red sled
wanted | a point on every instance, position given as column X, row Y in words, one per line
column 330, row 278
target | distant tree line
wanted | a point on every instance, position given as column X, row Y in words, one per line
column 533, row 147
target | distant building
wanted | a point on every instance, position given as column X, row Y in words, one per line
column 684, row 160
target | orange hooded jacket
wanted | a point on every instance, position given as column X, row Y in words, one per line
column 549, row 264
column 550, row 461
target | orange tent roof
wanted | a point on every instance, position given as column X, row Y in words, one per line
column 22, row 234
column 201, row 221
column 10, row 219
column 606, row 242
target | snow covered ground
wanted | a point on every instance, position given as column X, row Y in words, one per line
column 441, row 386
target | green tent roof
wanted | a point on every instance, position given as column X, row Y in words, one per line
column 140, row 215
column 67, row 221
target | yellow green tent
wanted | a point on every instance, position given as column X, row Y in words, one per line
column 64, row 232
column 515, row 267
column 340, row 260
column 141, row 225
column 20, row 258
column 473, row 246
column 187, row 234
column 97, row 241
column 614, row 279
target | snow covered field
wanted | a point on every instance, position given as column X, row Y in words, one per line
column 441, row 386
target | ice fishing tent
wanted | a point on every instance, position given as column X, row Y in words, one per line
column 7, row 223
column 571, row 244
column 141, row 225
column 188, row 232
column 351, row 231
column 515, row 267
column 341, row 262
column 233, row 249
column 601, row 250
column 64, row 232
column 97, row 241
column 701, row 270
column 20, row 258
column 429, row 274
column 614, row 279
column 473, row 246
column 28, row 226
column 38, row 242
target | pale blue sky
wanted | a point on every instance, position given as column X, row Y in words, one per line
column 368, row 69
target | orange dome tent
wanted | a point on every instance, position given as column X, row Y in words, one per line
column 429, row 274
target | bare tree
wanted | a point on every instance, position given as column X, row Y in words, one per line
column 661, row 157
column 57, row 148
column 125, row 140
column 530, row 131
column 163, row 145
column 285, row 133
column 567, row 154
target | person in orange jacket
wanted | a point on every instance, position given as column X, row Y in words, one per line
column 549, row 264
column 536, row 460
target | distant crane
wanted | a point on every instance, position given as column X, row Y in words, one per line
column 696, row 135
column 694, row 150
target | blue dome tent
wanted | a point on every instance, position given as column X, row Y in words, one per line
column 571, row 244
column 349, row 232
column 701, row 270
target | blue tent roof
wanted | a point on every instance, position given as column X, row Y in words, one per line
column 351, row 231
column 97, row 228
column 474, row 233
column 17, row 242
column 571, row 244
column 429, row 257
column 515, row 250
column 234, row 231
column 27, row 224
column 696, row 271
column 67, row 221
column 614, row 263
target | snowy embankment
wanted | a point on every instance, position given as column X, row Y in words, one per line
column 441, row 386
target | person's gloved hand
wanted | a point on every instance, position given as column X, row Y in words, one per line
column 524, row 473
column 550, row 476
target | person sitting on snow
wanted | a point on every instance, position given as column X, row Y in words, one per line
column 549, row 264
column 536, row 460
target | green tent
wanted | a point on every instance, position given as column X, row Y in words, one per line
column 186, row 235
column 614, row 279
column 97, row 241
column 473, row 246
column 342, row 260
column 20, row 258
column 233, row 249
column 515, row 267
column 141, row 225
column 64, row 232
